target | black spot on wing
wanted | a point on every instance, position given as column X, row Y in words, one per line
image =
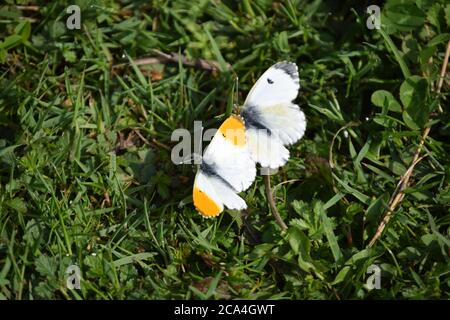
column 288, row 67
column 252, row 118
column 210, row 170
column 270, row 81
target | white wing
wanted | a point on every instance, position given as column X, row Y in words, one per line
column 269, row 108
column 231, row 162
column 227, row 168
column 211, row 193
column 228, row 196
column 205, row 196
column 280, row 83
column 266, row 149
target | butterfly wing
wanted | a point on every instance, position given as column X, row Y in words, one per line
column 272, row 120
column 266, row 149
column 228, row 154
column 227, row 168
column 206, row 199
column 280, row 83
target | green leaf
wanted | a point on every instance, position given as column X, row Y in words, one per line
column 385, row 99
column 138, row 72
column 23, row 29
column 398, row 56
column 359, row 195
column 7, row 154
column 133, row 258
column 70, row 56
column 11, row 42
column 3, row 55
column 261, row 250
column 47, row 266
column 17, row 204
column 440, row 38
column 409, row 253
column 436, row 232
column 413, row 93
column 376, row 208
column 435, row 15
column 447, row 15
column 425, row 56
column 281, row 42
column 409, row 121
column 215, row 48
column 328, row 113
column 361, row 255
column 403, row 15
column 331, row 237
column 335, row 199
column 213, row 285
column 304, row 264
column 341, row 275
column 424, row 4
column 32, row 232
column 295, row 238
column 198, row 293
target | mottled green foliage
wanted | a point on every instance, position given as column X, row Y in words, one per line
column 78, row 185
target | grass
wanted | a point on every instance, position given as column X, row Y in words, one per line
column 86, row 176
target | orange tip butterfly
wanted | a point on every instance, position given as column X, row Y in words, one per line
column 268, row 122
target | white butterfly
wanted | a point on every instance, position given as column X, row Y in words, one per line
column 269, row 121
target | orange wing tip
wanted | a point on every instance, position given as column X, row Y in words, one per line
column 233, row 129
column 206, row 206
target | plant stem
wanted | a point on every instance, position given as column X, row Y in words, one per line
column 271, row 200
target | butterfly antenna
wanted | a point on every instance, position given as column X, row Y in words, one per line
column 194, row 156
column 186, row 159
column 237, row 90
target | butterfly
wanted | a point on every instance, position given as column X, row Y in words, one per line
column 268, row 122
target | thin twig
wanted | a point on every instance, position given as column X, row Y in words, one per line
column 399, row 194
column 164, row 58
column 396, row 198
column 155, row 142
column 444, row 68
column 273, row 208
column 28, row 8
